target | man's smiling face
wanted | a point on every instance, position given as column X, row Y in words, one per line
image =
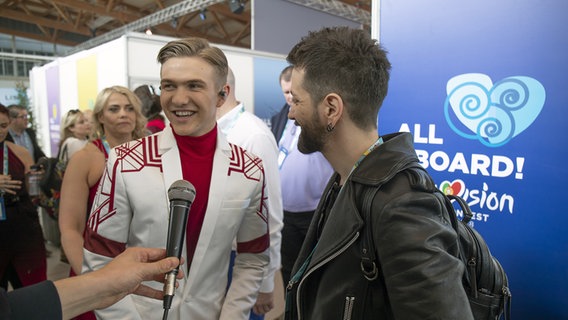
column 189, row 95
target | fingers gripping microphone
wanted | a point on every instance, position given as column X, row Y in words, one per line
column 181, row 194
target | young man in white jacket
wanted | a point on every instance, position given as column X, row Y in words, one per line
column 131, row 205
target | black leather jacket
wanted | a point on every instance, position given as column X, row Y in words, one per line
column 419, row 277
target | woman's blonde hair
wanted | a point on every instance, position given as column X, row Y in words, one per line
column 69, row 120
column 101, row 102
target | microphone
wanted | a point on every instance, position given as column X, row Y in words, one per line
column 181, row 194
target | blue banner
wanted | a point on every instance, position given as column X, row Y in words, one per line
column 482, row 86
column 268, row 97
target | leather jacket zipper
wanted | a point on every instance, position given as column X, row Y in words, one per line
column 348, row 309
column 317, row 266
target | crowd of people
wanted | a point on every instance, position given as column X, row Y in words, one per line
column 290, row 199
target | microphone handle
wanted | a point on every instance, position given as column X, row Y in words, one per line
column 179, row 212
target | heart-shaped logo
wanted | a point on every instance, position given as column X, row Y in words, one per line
column 494, row 114
column 455, row 187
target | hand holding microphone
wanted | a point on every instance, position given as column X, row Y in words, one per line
column 181, row 194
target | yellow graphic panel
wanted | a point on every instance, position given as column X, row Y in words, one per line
column 87, row 82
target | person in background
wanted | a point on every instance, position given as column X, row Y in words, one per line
column 151, row 108
column 339, row 80
column 251, row 133
column 303, row 178
column 66, row 298
column 118, row 118
column 25, row 136
column 88, row 113
column 22, row 251
column 131, row 205
column 20, row 134
column 278, row 121
column 75, row 130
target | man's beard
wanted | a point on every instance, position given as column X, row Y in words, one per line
column 313, row 137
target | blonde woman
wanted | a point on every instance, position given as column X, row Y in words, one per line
column 117, row 119
column 74, row 133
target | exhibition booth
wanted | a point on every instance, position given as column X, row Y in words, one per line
column 480, row 85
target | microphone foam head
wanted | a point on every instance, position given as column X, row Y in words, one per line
column 181, row 190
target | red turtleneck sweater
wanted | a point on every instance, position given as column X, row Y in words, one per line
column 196, row 155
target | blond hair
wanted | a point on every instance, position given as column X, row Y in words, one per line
column 101, row 102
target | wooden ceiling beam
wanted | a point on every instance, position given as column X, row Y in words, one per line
column 242, row 33
column 160, row 4
column 78, row 19
column 55, row 18
column 183, row 20
column 37, row 37
column 99, row 10
column 224, row 10
column 219, row 24
column 46, row 33
column 15, row 15
column 109, row 6
column 61, row 13
column 54, row 35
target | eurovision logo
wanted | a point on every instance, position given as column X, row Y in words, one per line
column 483, row 202
column 477, row 109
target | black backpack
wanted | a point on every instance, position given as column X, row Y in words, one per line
column 485, row 281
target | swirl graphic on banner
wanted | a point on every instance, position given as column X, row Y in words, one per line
column 492, row 114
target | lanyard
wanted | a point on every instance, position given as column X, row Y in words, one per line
column 296, row 277
column 5, row 172
column 294, row 133
column 105, row 145
column 5, row 168
column 371, row 148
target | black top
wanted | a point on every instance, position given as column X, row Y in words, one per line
column 278, row 122
column 39, row 301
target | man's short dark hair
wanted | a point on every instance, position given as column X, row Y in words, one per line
column 348, row 62
column 15, row 109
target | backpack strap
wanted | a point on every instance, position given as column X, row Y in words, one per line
column 368, row 256
column 368, row 253
column 62, row 153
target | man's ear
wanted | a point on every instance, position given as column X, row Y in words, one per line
column 333, row 108
column 225, row 91
column 223, row 94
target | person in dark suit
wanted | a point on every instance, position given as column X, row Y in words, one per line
column 20, row 134
column 279, row 120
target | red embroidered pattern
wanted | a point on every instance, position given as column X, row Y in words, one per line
column 135, row 155
column 263, row 212
column 131, row 157
column 243, row 162
column 103, row 211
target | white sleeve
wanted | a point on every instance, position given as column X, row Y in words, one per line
column 264, row 146
column 107, row 232
column 73, row 145
column 251, row 261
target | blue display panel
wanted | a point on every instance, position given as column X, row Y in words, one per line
column 482, row 85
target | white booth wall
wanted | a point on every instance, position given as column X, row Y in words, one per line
column 73, row 82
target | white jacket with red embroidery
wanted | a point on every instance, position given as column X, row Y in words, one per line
column 131, row 209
